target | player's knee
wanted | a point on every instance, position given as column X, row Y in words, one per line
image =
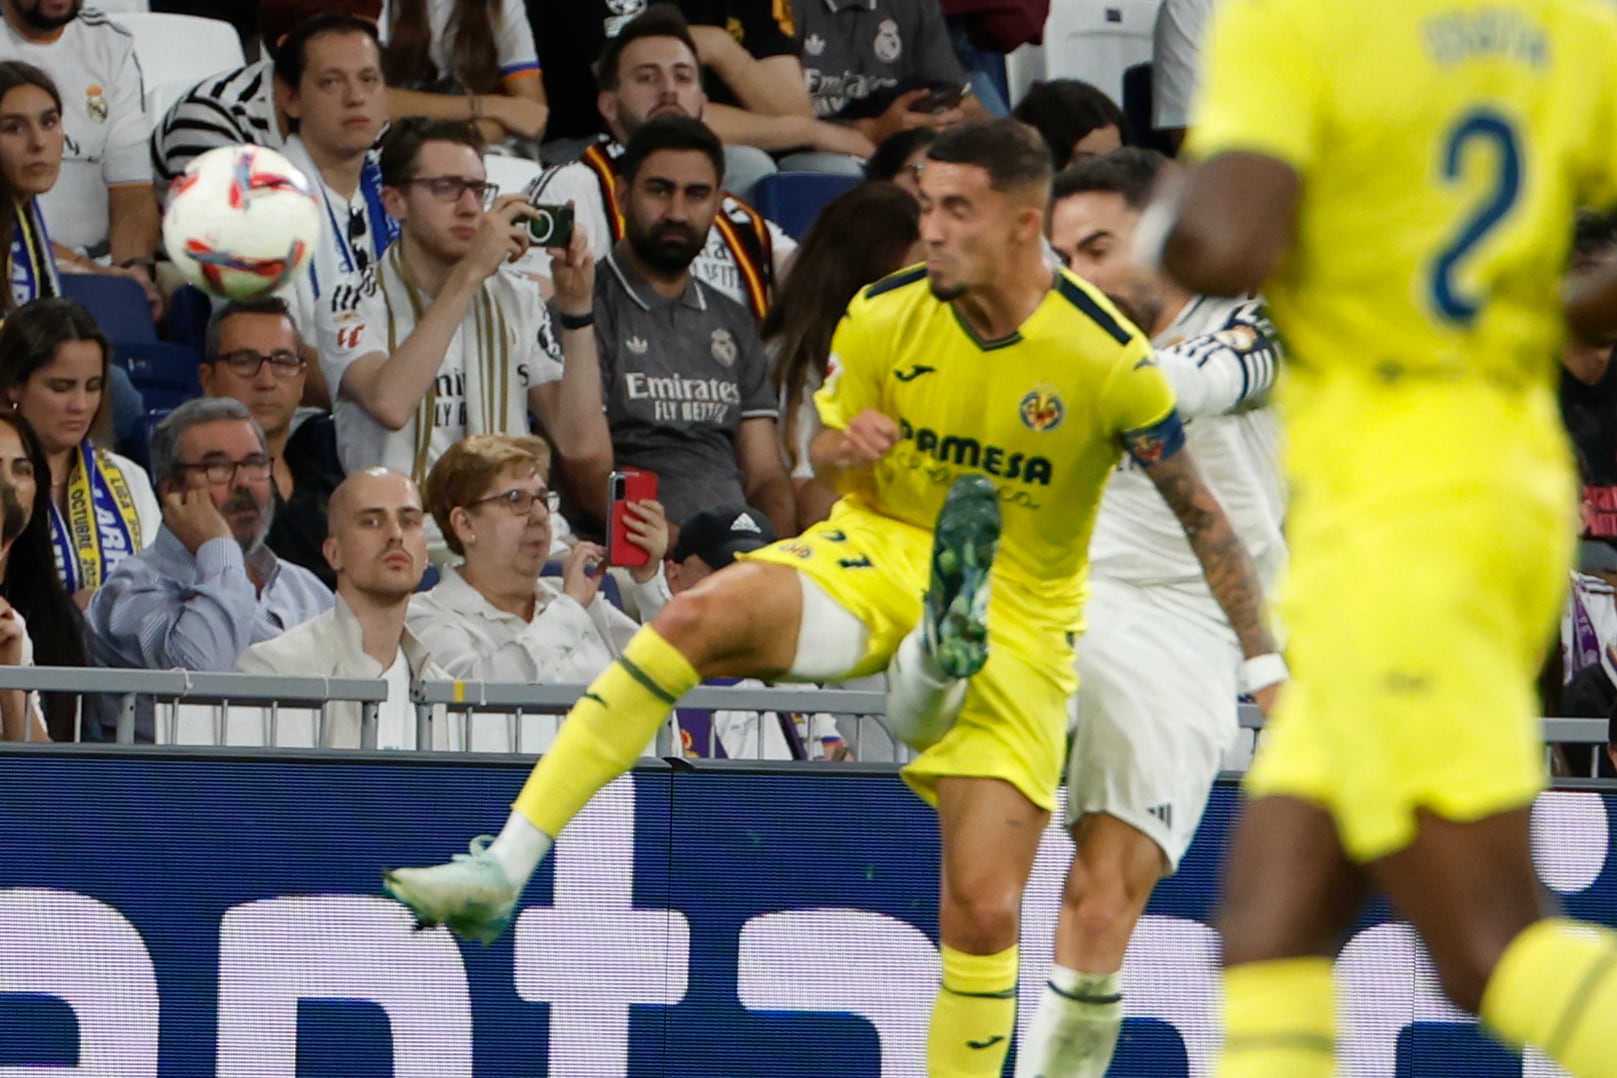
column 982, row 918
column 1464, row 970
column 1101, row 911
column 694, row 622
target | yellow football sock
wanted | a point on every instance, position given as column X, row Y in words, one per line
column 1556, row 989
column 1279, row 1020
column 606, row 730
column 974, row 1016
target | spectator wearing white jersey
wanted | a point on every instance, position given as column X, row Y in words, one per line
column 329, row 85
column 239, row 105
column 102, row 206
column 436, row 341
column 1159, row 667
column 378, row 549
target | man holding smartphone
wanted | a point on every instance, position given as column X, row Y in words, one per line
column 434, row 342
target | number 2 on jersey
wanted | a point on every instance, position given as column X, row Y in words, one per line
column 1482, row 138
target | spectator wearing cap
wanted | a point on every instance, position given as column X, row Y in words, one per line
column 494, row 617
column 709, row 542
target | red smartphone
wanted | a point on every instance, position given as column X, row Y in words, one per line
column 628, row 485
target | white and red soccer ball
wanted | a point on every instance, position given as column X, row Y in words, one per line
column 241, row 220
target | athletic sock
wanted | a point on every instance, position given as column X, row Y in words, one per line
column 1074, row 1030
column 974, row 1016
column 922, row 701
column 1279, row 1020
column 1556, row 989
column 519, row 848
column 606, row 730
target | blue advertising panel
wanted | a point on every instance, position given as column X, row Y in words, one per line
column 175, row 915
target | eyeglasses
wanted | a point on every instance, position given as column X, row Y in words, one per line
column 521, row 502
column 284, row 363
column 255, row 467
column 450, row 188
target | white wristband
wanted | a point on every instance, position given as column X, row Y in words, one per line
column 1261, row 671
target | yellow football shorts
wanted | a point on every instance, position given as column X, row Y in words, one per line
column 1013, row 724
column 1431, row 530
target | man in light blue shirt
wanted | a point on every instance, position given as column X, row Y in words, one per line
column 208, row 588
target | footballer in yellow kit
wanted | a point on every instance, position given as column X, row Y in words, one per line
column 1401, row 177
column 1045, row 414
column 1420, row 304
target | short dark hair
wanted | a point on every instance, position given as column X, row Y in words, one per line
column 889, row 158
column 403, row 141
column 671, row 133
column 1594, row 233
column 1064, row 111
column 292, row 55
column 1010, row 152
column 264, row 303
column 278, row 18
column 658, row 20
column 1130, row 172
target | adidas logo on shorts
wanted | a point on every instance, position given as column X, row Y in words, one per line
column 1163, row 813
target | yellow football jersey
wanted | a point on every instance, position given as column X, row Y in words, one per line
column 1443, row 147
column 1043, row 413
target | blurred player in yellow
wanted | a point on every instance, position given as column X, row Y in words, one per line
column 984, row 397
column 1400, row 177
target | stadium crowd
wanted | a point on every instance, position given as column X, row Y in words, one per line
column 476, row 390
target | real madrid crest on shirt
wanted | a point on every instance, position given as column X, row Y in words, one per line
column 95, row 102
column 888, row 43
column 724, row 346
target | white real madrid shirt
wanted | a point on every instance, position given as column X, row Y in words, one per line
column 482, row 385
column 1221, row 356
column 92, row 61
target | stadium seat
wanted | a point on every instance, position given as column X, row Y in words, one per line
column 180, row 50
column 793, row 199
column 511, row 174
column 117, row 304
column 189, row 309
column 165, row 374
column 1098, row 40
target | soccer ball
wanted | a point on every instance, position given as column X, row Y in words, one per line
column 240, row 220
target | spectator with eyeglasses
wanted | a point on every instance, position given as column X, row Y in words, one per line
column 255, row 355
column 54, row 366
column 208, row 588
column 436, row 341
column 494, row 616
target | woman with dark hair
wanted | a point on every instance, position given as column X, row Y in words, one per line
column 53, row 370
column 898, row 160
column 477, row 47
column 31, row 144
column 31, row 595
column 1075, row 119
column 861, row 236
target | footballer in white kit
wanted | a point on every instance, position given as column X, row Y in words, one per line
column 1159, row 668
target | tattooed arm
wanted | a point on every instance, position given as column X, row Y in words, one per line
column 1229, row 572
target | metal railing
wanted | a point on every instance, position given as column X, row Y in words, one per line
column 435, row 701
